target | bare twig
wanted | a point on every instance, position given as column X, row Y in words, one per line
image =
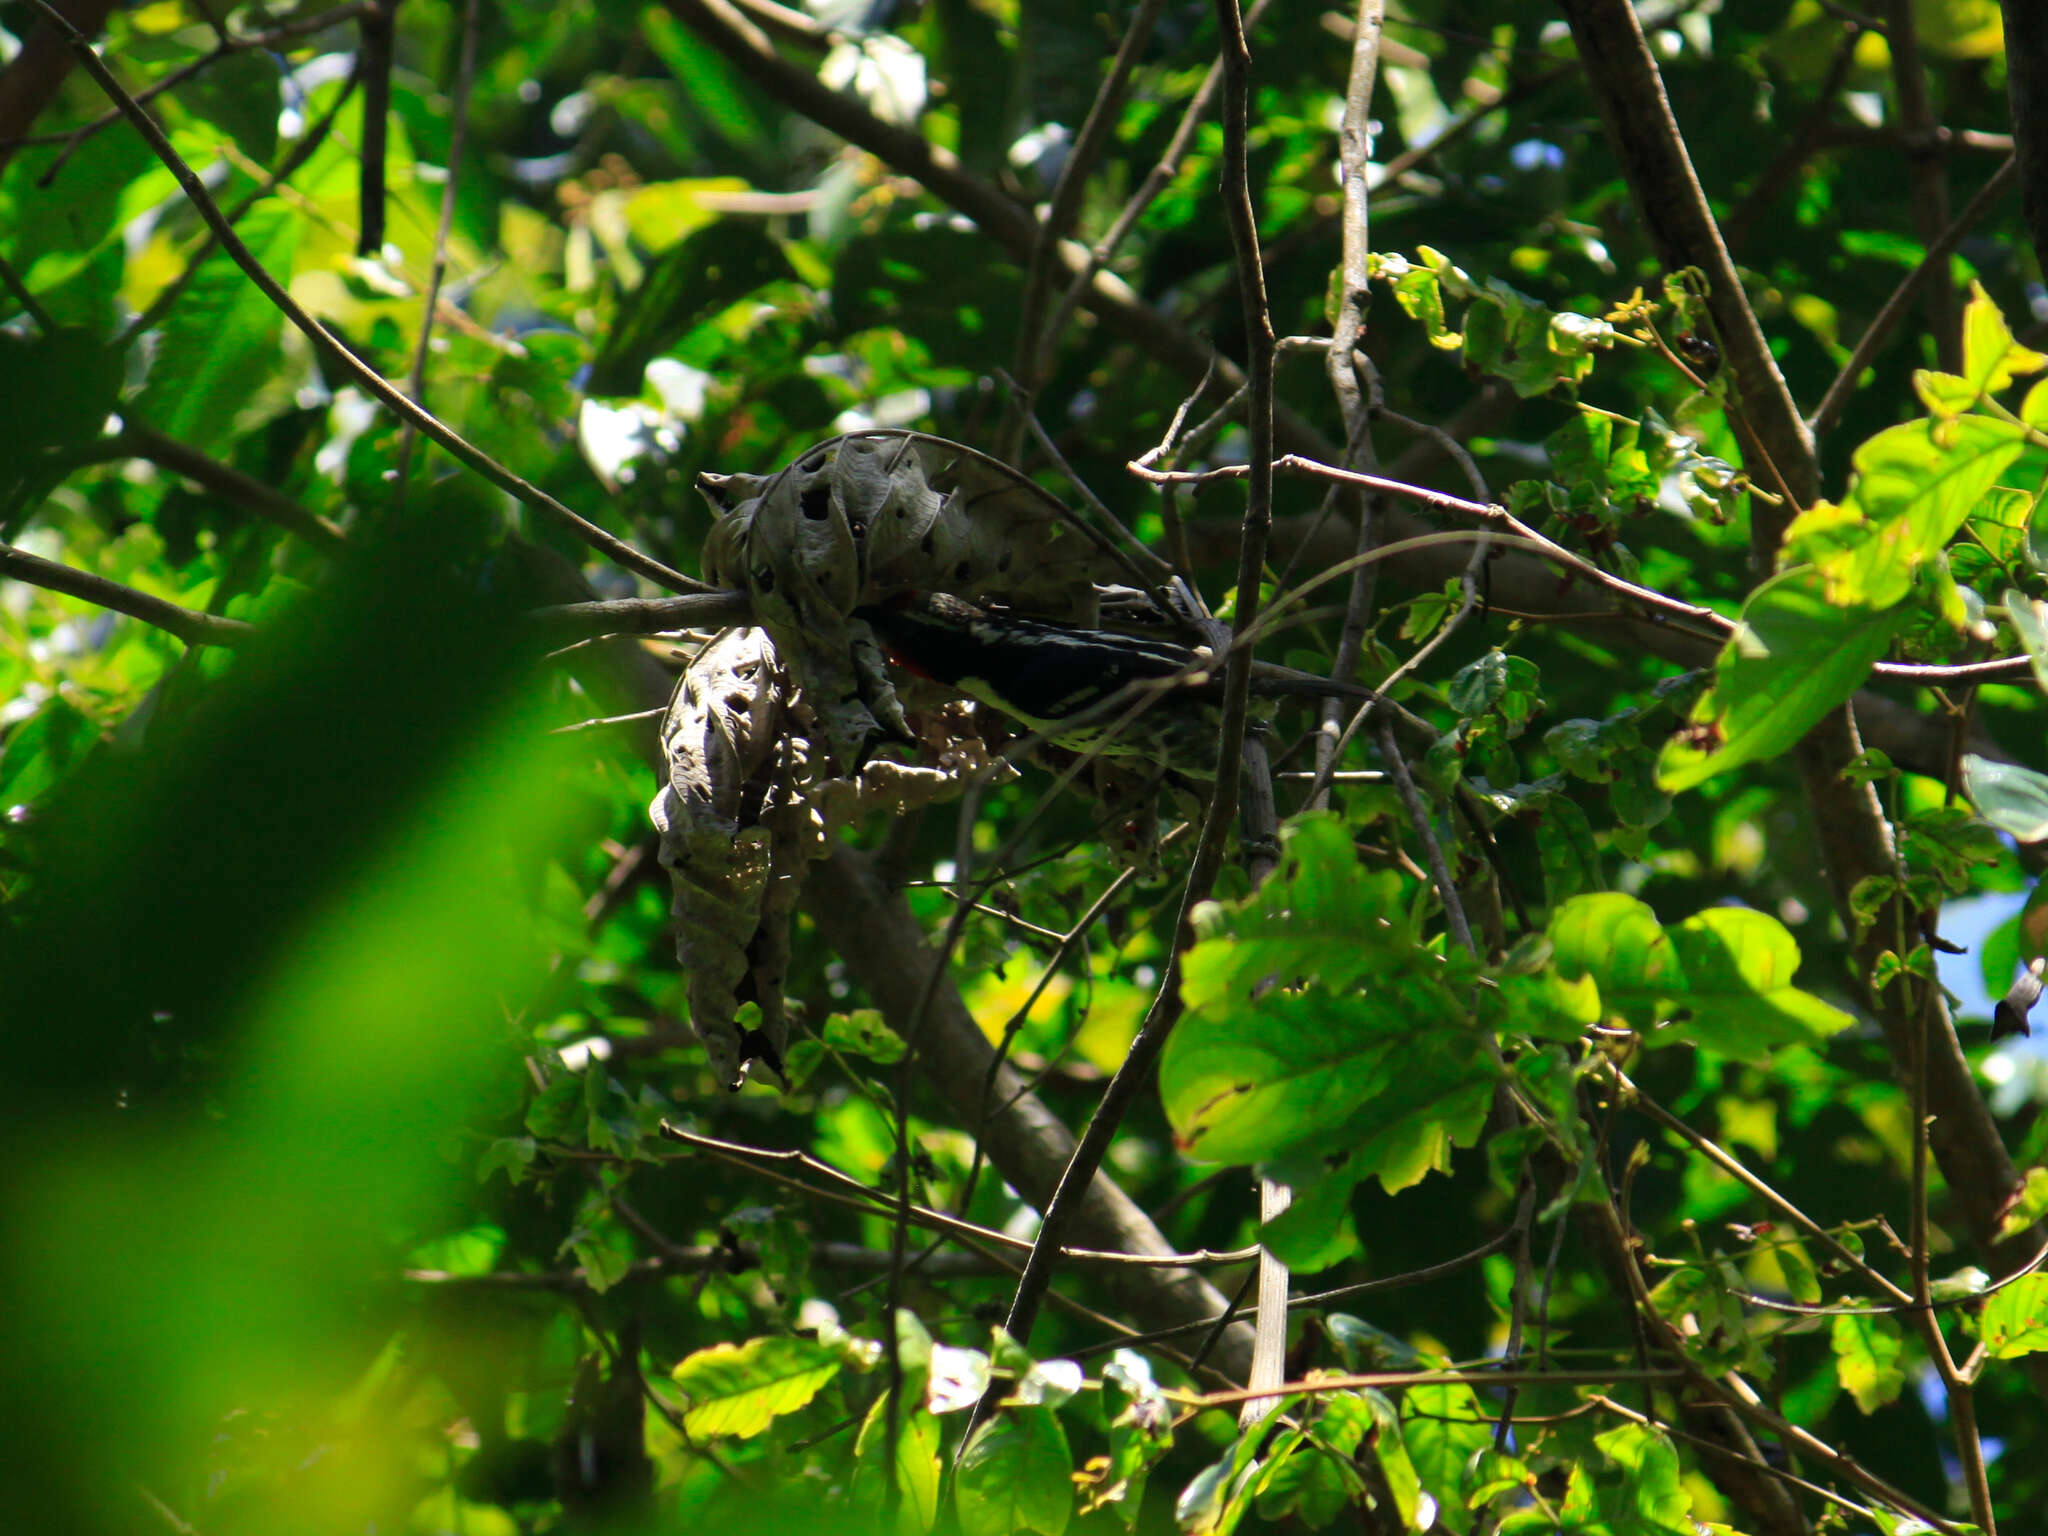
column 564, row 622
column 142, row 441
column 1156, row 181
column 1354, row 139
column 1036, row 340
column 275, row 38
column 465, row 75
column 31, row 306
column 1166, row 1005
column 376, row 29
column 193, row 628
column 1828, row 413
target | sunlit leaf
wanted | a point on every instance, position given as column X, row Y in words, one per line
column 1796, row 656
column 740, row 1389
column 1867, row 1351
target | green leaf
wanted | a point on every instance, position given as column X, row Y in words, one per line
column 1739, row 966
column 1308, row 1484
column 1140, row 1433
column 706, row 80
column 1915, row 484
column 914, row 1467
column 1445, row 1426
column 2029, row 619
column 863, row 1033
column 1241, row 1088
column 2029, row 1204
column 1617, row 940
column 221, row 340
column 1722, row 977
column 1566, row 848
column 1867, row 1351
column 2014, row 1321
column 1016, row 1475
column 514, row 1154
column 1651, row 1484
column 709, row 271
column 2013, row 799
column 1796, row 656
column 1316, row 1231
column 1991, row 357
column 1280, row 1044
column 740, row 1389
column 1438, row 1100
column 1421, row 297
column 39, row 752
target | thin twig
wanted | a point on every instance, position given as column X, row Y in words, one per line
column 1730, row 1164
column 31, row 306
column 563, row 622
column 1166, row 1005
column 846, row 1188
column 1432, row 846
column 1036, row 340
column 308, row 144
column 465, row 75
column 142, row 441
column 193, row 628
column 1156, row 181
column 1828, row 413
column 1114, row 548
column 74, row 138
column 1354, row 139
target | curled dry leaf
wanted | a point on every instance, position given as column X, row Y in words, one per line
column 734, row 880
column 746, row 807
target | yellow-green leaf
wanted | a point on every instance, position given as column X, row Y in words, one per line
column 1867, row 1353
column 1797, row 655
column 1991, row 358
column 2015, row 1320
column 2029, row 1205
column 740, row 1389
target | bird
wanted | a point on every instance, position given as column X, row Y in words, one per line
column 1081, row 689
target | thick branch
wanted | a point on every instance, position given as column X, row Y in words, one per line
column 871, row 928
column 226, row 482
column 2026, row 82
column 31, row 82
column 1855, row 839
column 1645, row 139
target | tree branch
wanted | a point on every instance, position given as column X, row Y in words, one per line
column 1829, row 411
column 872, row 929
column 1645, row 139
column 2026, row 83
column 190, row 627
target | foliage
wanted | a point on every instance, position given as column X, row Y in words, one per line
column 364, row 1169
